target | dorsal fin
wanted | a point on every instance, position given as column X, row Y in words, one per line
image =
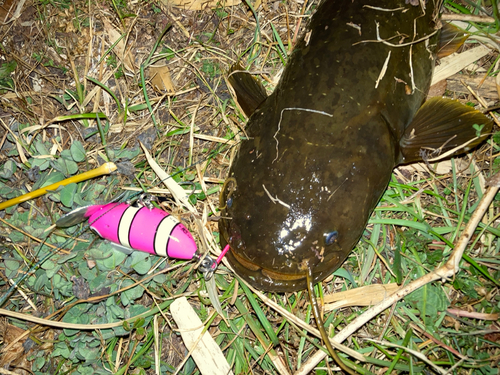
column 249, row 92
column 441, row 125
column 451, row 38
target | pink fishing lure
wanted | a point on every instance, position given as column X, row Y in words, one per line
column 140, row 228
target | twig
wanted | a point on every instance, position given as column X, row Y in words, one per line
column 467, row 18
column 106, row 168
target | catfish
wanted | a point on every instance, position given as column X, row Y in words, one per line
column 349, row 107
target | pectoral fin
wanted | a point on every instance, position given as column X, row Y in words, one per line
column 451, row 38
column 441, row 125
column 249, row 92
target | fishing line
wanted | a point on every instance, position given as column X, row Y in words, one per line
column 207, row 268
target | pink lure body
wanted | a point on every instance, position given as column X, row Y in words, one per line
column 140, row 228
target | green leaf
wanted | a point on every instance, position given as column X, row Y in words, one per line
column 65, row 164
column 38, row 364
column 120, row 331
column 100, row 281
column 81, row 116
column 160, row 279
column 496, row 137
column 85, row 370
column 51, row 268
column 11, row 267
column 93, row 192
column 429, row 300
column 78, row 315
column 63, row 259
column 88, row 354
column 136, row 310
column 467, row 285
column 131, row 294
column 126, row 326
column 342, row 272
column 48, row 265
column 8, row 169
column 260, row 314
column 86, row 272
column 110, row 260
column 116, row 312
column 60, row 350
column 40, row 147
column 396, row 265
column 140, row 261
column 40, row 281
column 434, row 256
column 139, row 322
column 42, row 164
column 78, row 152
column 60, row 285
column 478, row 129
column 6, row 68
column 127, row 153
column 67, row 194
column 282, row 50
column 53, row 178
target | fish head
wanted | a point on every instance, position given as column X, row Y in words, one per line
column 305, row 205
column 276, row 258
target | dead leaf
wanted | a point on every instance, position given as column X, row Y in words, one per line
column 485, row 87
column 364, row 296
column 497, row 84
column 161, row 79
column 91, row 263
column 203, row 348
column 437, row 89
column 442, row 167
column 15, row 357
column 125, row 56
column 7, row 9
column 452, row 64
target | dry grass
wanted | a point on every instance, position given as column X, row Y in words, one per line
column 184, row 114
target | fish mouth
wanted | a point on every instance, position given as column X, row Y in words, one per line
column 266, row 279
column 254, row 274
column 269, row 280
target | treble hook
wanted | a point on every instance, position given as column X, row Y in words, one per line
column 208, row 266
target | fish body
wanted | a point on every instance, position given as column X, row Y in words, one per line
column 139, row 228
column 321, row 148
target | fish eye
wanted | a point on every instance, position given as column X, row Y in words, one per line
column 331, row 237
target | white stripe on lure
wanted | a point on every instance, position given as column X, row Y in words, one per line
column 146, row 229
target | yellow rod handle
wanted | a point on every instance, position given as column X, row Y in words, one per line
column 106, row 168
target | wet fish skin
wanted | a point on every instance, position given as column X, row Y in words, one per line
column 323, row 146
